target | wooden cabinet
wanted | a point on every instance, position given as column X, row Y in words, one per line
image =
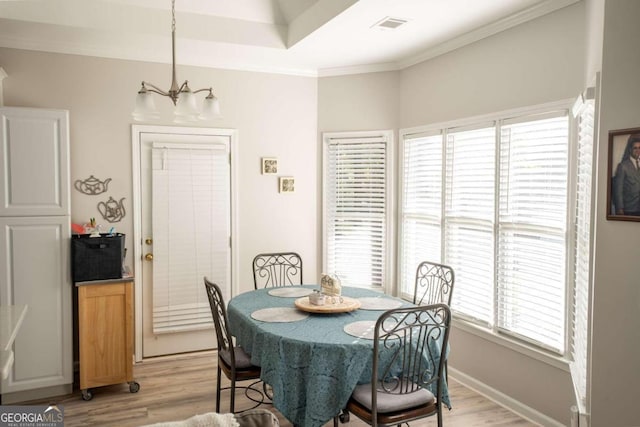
column 105, row 334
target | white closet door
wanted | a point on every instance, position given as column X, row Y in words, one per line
column 34, row 171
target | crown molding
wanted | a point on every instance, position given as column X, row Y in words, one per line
column 358, row 69
column 72, row 49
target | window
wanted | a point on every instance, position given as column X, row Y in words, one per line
column 356, row 207
column 499, row 218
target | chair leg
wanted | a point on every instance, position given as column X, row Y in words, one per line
column 218, row 391
column 232, row 402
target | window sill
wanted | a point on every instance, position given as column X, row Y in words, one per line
column 512, row 344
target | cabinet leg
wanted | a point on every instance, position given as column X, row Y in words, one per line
column 86, row 394
column 134, row 387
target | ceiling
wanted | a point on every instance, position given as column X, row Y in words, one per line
column 301, row 37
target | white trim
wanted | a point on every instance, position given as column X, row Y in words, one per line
column 359, row 69
column 504, row 400
column 500, row 115
column 136, row 132
column 3, row 75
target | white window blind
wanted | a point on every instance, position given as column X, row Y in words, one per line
column 356, row 210
column 191, row 205
column 582, row 270
column 421, row 206
column 532, row 226
column 469, row 220
column 503, row 216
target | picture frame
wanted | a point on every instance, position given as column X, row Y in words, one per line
column 286, row 184
column 269, row 165
column 623, row 175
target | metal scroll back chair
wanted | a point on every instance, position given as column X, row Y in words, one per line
column 409, row 350
column 277, row 269
column 232, row 360
column 434, row 284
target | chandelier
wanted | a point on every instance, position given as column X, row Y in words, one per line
column 182, row 96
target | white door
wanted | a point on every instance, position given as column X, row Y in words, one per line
column 186, row 235
column 34, row 271
column 34, row 176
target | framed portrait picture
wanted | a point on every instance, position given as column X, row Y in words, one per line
column 286, row 184
column 269, row 166
column 623, row 190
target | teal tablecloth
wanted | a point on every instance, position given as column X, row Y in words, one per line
column 312, row 364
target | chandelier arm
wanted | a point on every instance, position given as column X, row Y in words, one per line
column 182, row 87
column 156, row 89
column 203, row 90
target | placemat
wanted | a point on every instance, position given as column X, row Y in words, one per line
column 279, row 314
column 378, row 303
column 361, row 329
column 290, row 292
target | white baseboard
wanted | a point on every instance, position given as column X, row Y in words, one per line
column 504, row 400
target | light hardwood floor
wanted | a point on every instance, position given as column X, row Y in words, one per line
column 178, row 387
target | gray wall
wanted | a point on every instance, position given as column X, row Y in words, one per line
column 616, row 299
column 275, row 116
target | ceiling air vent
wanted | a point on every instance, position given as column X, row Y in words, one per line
column 389, row 23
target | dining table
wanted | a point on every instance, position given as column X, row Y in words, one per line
column 312, row 358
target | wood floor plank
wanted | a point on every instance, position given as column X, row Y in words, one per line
column 178, row 387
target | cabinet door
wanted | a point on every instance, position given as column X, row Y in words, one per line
column 34, row 172
column 105, row 322
column 34, row 268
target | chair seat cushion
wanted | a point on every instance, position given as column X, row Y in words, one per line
column 243, row 359
column 392, row 402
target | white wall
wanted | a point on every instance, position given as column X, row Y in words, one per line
column 616, row 300
column 275, row 116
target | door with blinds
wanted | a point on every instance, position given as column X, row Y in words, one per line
column 186, row 233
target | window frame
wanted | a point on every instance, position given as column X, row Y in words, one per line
column 389, row 241
column 492, row 332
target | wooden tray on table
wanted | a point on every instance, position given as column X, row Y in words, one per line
column 347, row 304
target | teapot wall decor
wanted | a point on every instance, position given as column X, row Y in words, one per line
column 112, row 210
column 92, row 185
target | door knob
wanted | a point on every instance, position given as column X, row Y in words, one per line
column 149, row 241
column 148, row 257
